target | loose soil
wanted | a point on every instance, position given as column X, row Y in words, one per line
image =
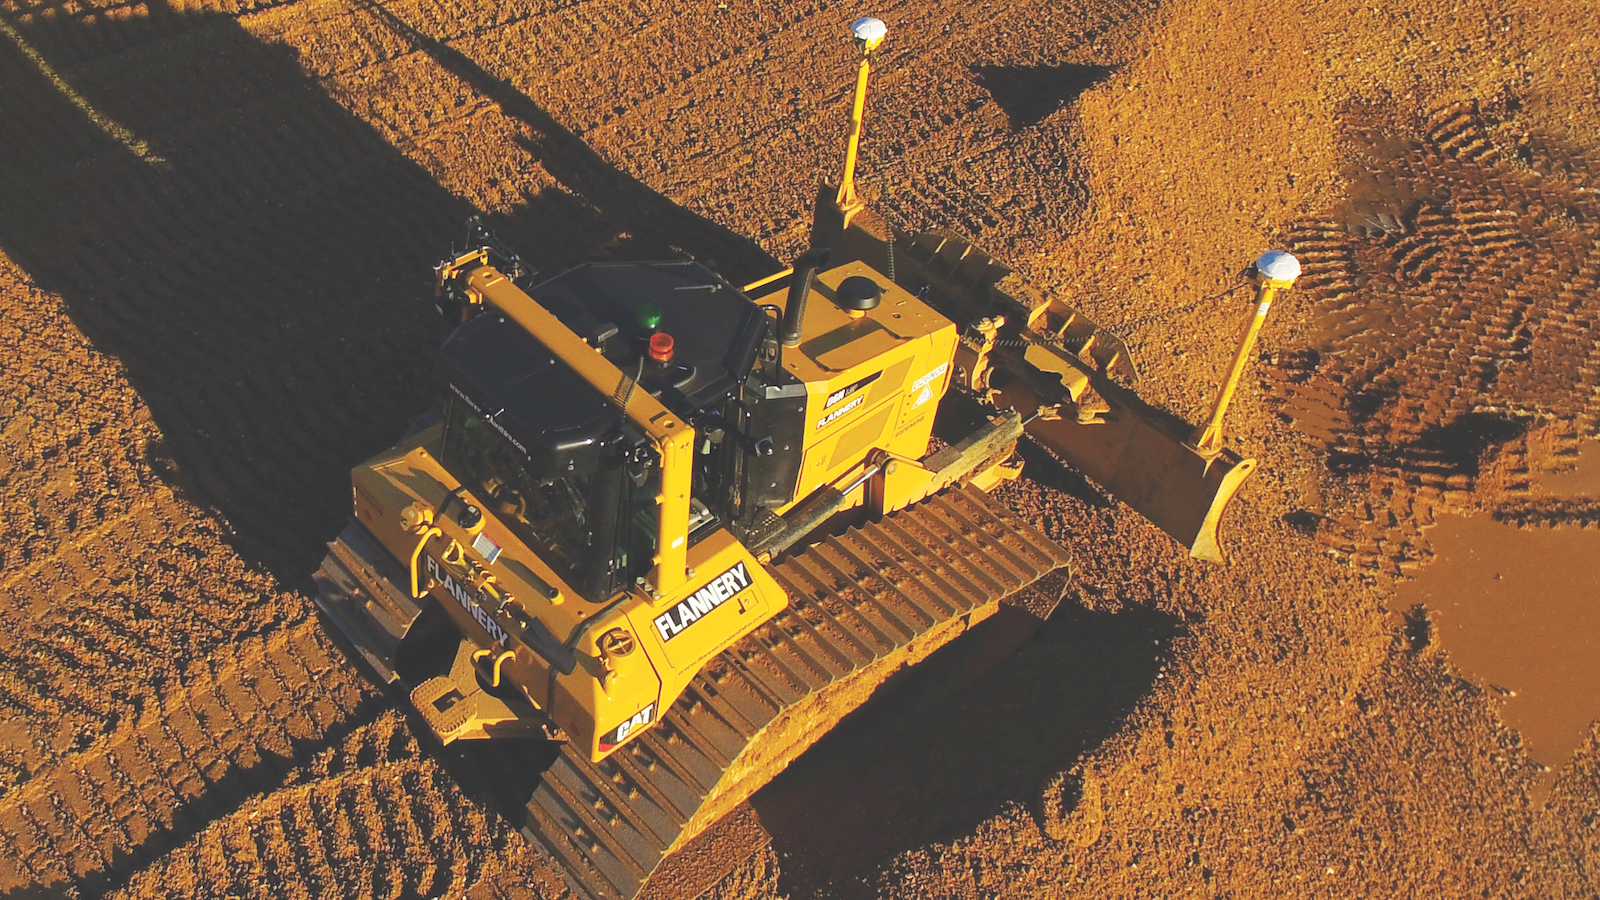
column 216, row 225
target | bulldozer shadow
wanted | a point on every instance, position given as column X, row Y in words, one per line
column 938, row 751
column 257, row 256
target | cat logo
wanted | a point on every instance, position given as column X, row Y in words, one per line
column 620, row 733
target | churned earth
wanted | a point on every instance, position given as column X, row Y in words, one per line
column 217, row 221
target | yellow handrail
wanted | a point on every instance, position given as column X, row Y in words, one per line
column 500, row 660
column 429, row 533
column 754, row 285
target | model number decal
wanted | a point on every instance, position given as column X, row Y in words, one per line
column 846, row 391
column 830, row 417
column 692, row 608
column 620, row 733
column 925, row 380
column 466, row 598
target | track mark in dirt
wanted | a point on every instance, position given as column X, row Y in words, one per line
column 232, row 730
column 266, row 295
column 259, row 291
column 111, row 586
column 1416, row 690
column 1456, row 296
column 370, row 816
column 691, row 128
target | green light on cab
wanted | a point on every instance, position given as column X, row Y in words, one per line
column 648, row 317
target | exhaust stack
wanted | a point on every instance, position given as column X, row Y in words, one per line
column 794, row 309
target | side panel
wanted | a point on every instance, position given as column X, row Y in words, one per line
column 873, row 380
column 729, row 596
column 616, row 692
column 901, row 421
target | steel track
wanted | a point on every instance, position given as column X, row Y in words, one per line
column 863, row 604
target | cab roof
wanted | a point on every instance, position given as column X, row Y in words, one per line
column 556, row 418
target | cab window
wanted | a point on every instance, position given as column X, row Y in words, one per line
column 549, row 514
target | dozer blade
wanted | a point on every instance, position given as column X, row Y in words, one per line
column 862, row 605
column 1138, row 454
column 1054, row 358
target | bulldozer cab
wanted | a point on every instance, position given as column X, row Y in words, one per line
column 561, row 513
column 557, row 460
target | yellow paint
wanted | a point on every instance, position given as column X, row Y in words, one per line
column 903, row 341
column 761, row 283
column 680, row 656
column 580, row 703
column 903, row 482
column 1209, row 442
column 847, row 201
column 873, row 383
column 606, row 689
column 672, row 438
column 416, row 555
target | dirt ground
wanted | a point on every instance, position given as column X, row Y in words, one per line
column 216, row 225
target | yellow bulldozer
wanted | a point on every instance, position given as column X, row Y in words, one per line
column 684, row 526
